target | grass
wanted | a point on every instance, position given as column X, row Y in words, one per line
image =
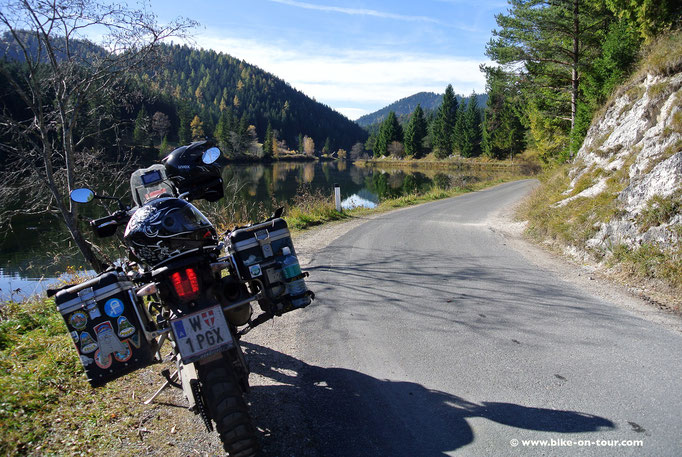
column 649, row 261
column 659, row 210
column 663, row 56
column 577, row 221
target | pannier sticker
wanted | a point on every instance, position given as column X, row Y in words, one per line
column 93, row 310
column 101, row 361
column 255, row 271
column 113, row 307
column 88, row 344
column 85, row 360
column 108, row 341
column 134, row 340
column 124, row 356
column 125, row 328
column 75, row 337
column 78, row 320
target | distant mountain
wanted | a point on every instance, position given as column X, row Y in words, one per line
column 429, row 101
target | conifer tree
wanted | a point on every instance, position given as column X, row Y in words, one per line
column 267, row 142
column 141, row 133
column 471, row 141
column 503, row 132
column 197, row 129
column 389, row 132
column 415, row 133
column 184, row 132
column 445, row 123
column 458, row 132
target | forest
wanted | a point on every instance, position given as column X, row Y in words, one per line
column 195, row 94
column 555, row 64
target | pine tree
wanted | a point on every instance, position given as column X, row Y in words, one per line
column 389, row 132
column 458, row 132
column 445, row 123
column 141, row 133
column 267, row 142
column 184, row 132
column 222, row 131
column 554, row 41
column 300, row 143
column 503, row 132
column 471, row 143
column 415, row 133
column 164, row 149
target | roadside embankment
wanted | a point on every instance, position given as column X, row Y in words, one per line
column 619, row 204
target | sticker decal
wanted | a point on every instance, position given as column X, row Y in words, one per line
column 124, row 356
column 179, row 329
column 125, row 328
column 134, row 340
column 93, row 310
column 208, row 317
column 78, row 320
column 108, row 341
column 75, row 337
column 255, row 271
column 85, row 360
column 113, row 307
column 103, row 362
column 88, row 344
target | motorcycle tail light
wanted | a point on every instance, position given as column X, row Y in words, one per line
column 186, row 284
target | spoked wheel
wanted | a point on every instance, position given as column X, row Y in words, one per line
column 229, row 410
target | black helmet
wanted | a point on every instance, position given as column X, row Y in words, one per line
column 189, row 173
column 166, row 227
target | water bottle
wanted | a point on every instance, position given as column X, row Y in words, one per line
column 296, row 288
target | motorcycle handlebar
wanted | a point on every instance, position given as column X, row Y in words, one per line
column 106, row 226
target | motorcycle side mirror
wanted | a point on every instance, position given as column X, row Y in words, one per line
column 82, row 195
column 210, row 155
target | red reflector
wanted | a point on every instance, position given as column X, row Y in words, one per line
column 186, row 284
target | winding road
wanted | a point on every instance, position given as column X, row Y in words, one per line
column 431, row 336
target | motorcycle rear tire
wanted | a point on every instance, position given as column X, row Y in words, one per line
column 229, row 410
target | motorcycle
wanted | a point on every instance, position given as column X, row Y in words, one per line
column 185, row 285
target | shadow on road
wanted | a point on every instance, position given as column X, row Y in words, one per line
column 314, row 411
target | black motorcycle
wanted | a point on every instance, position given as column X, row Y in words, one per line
column 185, row 285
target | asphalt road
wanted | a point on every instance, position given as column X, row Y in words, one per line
column 431, row 336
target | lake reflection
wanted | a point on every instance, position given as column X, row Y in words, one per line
column 42, row 251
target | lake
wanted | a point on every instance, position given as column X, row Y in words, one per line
column 38, row 250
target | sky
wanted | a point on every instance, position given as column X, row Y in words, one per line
column 355, row 56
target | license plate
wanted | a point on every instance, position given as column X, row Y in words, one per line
column 201, row 334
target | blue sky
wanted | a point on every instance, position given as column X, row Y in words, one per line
column 355, row 56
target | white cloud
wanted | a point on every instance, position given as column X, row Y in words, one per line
column 353, row 81
column 356, row 11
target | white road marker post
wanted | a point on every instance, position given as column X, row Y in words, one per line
column 337, row 197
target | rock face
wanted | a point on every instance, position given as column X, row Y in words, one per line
column 634, row 149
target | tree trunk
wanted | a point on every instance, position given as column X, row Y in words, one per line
column 82, row 244
column 574, row 72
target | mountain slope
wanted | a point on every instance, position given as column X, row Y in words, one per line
column 429, row 101
column 212, row 82
column 206, row 83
